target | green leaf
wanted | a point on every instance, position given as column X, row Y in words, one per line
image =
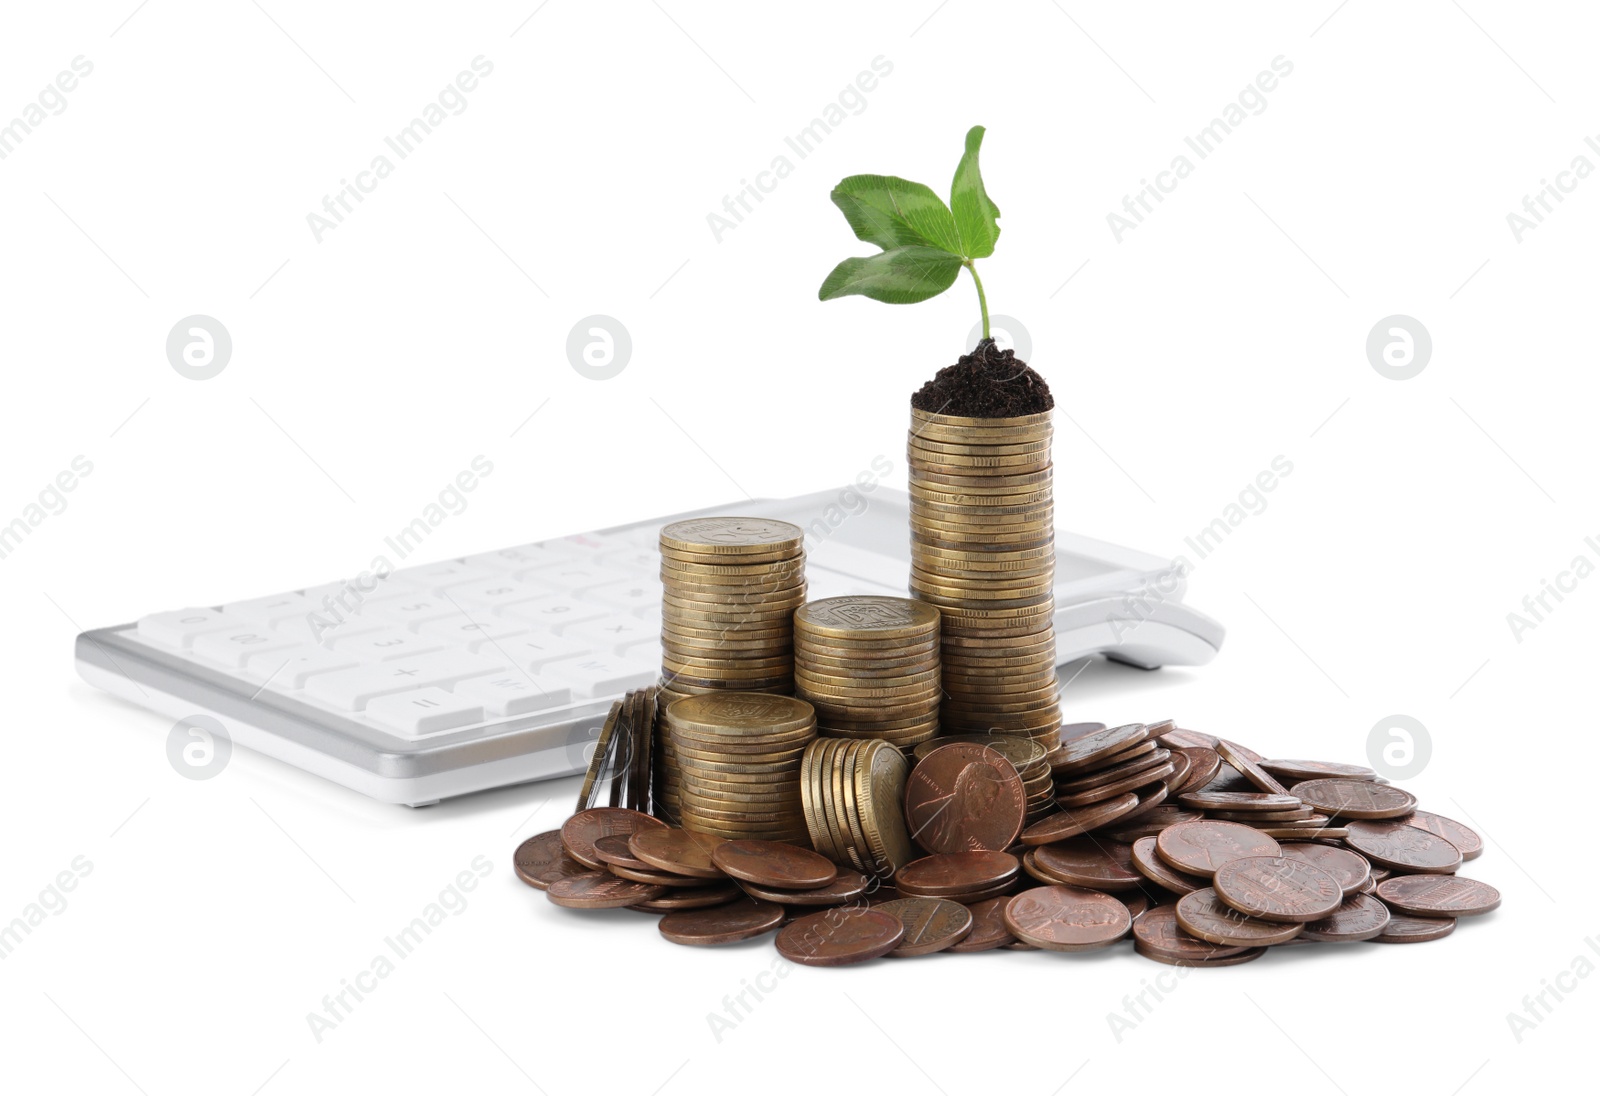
column 901, row 275
column 893, row 212
column 975, row 214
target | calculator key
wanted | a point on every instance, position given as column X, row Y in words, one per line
column 233, row 648
column 292, row 668
column 534, row 650
column 353, row 689
column 383, row 645
column 574, row 575
column 321, row 629
column 515, row 693
column 642, row 561
column 180, row 627
column 555, row 613
column 424, row 711
column 350, row 595
column 473, row 634
column 613, row 633
column 268, row 609
column 413, row 612
column 504, row 590
column 631, row 594
column 603, row 674
column 434, row 577
column 524, row 556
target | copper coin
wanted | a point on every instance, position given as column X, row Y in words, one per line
column 953, row 873
column 1067, row 918
column 1398, row 845
column 1264, row 818
column 1359, row 917
column 1278, row 888
column 690, row 898
column 1205, row 915
column 1467, row 840
column 1138, row 903
column 1405, row 929
column 1182, row 739
column 774, row 864
column 833, row 938
column 988, row 928
column 1158, row 931
column 1097, row 744
column 1111, row 774
column 1246, row 762
column 1239, row 801
column 684, row 852
column 847, row 886
column 600, row 890
column 964, row 798
column 1150, row 798
column 1158, row 871
column 1296, row 771
column 542, row 859
column 1204, row 764
column 1356, row 798
column 1438, row 895
column 725, row 924
column 1150, row 823
column 1180, row 769
column 655, row 877
column 1071, row 731
column 1352, row 871
column 1127, row 783
column 1087, row 862
column 1200, row 848
column 1069, row 823
column 1229, row 780
column 931, row 924
column 1245, row 955
column 582, row 830
column 613, row 850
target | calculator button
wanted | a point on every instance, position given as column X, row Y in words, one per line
column 473, row 634
column 268, row 609
column 556, row 613
column 413, row 612
column 180, row 627
column 424, row 711
column 534, row 650
column 233, row 648
column 515, row 693
column 437, row 576
column 383, row 645
column 613, row 633
column 292, row 668
column 504, row 590
column 631, row 594
column 353, row 689
column 603, row 674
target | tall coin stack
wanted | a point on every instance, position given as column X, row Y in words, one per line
column 870, row 667
column 983, row 552
column 739, row 756
column 731, row 586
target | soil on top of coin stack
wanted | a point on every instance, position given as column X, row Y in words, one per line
column 988, row 383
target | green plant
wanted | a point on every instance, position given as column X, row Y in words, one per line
column 925, row 242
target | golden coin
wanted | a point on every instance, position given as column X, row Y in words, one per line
column 731, row 535
column 867, row 617
column 740, row 712
column 1017, row 480
column 986, row 447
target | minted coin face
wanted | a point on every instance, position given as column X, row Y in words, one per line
column 774, row 864
column 1359, row 917
column 1438, row 895
column 1205, row 915
column 847, row 886
column 1159, row 872
column 1060, row 918
column 731, row 535
column 1462, row 837
column 867, row 617
column 1087, row 862
column 582, row 830
column 1149, row 823
column 600, row 890
column 1278, row 888
column 988, row 928
column 1406, row 929
column 954, row 873
column 1158, row 933
column 1352, row 870
column 964, row 798
column 542, row 859
column 1400, row 846
column 931, row 924
column 1204, row 764
column 836, row 937
column 1069, row 823
column 1086, row 748
column 684, row 852
column 1200, row 848
column 1356, row 798
column 1296, row 771
column 724, row 924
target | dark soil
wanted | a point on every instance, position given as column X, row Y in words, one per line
column 988, row 383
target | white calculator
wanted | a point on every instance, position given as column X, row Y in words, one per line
column 499, row 668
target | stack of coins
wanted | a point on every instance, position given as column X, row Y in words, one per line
column 983, row 551
column 851, row 792
column 739, row 763
column 731, row 587
column 1029, row 757
column 870, row 666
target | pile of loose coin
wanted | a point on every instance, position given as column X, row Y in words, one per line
column 730, row 588
column 1195, row 874
column 983, row 551
column 870, row 667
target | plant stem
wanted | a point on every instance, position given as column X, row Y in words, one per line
column 983, row 302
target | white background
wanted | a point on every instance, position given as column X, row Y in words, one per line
column 368, row 369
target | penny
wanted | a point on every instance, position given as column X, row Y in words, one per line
column 1314, row 829
column 613, row 849
column 835, row 937
column 1359, row 917
column 1086, row 862
column 1278, row 888
column 847, row 886
column 1438, row 895
column 690, row 898
column 682, row 851
column 988, row 928
column 1207, row 916
column 1137, row 902
column 1204, row 764
column 964, row 798
column 1158, row 871
column 1246, row 761
column 1071, row 785
column 1239, row 801
column 931, row 924
column 1126, row 783
column 1200, row 848
column 1467, row 840
column 725, row 924
column 1356, row 798
column 1150, row 798
column 1150, row 823
column 1097, row 744
column 1296, row 771
column 1352, row 871
column 600, row 890
column 582, row 830
column 1245, row 955
column 651, row 875
column 1069, row 823
column 541, row 860
column 1059, row 918
column 1158, row 932
column 1405, row 929
column 1182, row 739
column 1072, row 731
column 1264, row 818
column 1398, row 845
column 953, row 873
column 774, row 864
